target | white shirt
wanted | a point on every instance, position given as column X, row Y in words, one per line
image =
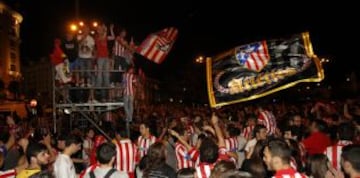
column 250, row 144
column 86, row 47
column 64, row 167
column 87, row 144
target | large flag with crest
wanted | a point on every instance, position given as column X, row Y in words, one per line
column 157, row 46
column 258, row 69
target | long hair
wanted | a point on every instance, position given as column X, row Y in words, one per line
column 156, row 158
column 317, row 166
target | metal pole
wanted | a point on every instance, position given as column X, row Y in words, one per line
column 53, row 99
column 77, row 7
column 89, row 119
column 95, row 125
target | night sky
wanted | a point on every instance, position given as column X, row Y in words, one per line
column 204, row 28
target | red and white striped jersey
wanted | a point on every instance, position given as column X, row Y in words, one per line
column 119, row 49
column 334, row 153
column 287, row 173
column 185, row 158
column 99, row 139
column 267, row 119
column 144, row 144
column 247, row 132
column 129, row 84
column 88, row 169
column 126, row 153
column 8, row 174
column 231, row 144
column 203, row 170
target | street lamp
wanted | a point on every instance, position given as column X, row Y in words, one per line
column 33, row 105
column 95, row 24
column 73, row 27
column 199, row 60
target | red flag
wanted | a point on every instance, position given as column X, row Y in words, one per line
column 158, row 45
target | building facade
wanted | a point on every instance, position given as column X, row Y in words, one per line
column 9, row 44
column 38, row 79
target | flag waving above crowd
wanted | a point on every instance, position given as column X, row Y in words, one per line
column 258, row 69
column 157, row 46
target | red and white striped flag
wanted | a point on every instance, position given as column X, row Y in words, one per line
column 158, row 45
column 268, row 119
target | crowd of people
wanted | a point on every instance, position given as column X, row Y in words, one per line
column 93, row 57
column 314, row 139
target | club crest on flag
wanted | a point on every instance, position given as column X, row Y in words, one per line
column 253, row 56
column 257, row 69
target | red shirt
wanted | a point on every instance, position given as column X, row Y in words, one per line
column 57, row 56
column 101, row 47
column 316, row 143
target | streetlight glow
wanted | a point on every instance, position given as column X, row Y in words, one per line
column 199, row 59
column 81, row 23
column 95, row 24
column 73, row 27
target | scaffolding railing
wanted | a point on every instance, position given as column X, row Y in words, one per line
column 88, row 110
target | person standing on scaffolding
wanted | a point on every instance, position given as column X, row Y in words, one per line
column 129, row 92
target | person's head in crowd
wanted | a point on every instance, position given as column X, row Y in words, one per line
column 256, row 168
column 40, row 134
column 72, row 144
column 145, row 129
column 346, row 131
column 182, row 131
column 257, row 153
column 260, row 132
column 317, row 166
column 290, row 133
column 222, row 167
column 208, row 151
column 318, row 125
column 297, row 119
column 37, row 155
column 156, row 157
column 106, row 153
column 157, row 153
column 251, row 120
column 232, row 131
column 186, row 173
column 277, row 155
column 121, row 133
column 90, row 133
column 61, row 142
column 350, row 160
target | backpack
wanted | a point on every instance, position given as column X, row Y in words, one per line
column 107, row 175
